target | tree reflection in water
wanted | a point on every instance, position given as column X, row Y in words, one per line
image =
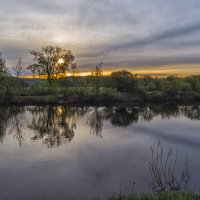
column 95, row 120
column 191, row 112
column 12, row 117
column 17, row 124
column 122, row 116
column 55, row 125
column 4, row 116
column 166, row 111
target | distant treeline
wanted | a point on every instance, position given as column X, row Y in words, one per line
column 120, row 86
column 52, row 64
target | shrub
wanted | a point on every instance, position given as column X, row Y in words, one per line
column 124, row 81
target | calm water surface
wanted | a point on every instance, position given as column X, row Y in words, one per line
column 59, row 152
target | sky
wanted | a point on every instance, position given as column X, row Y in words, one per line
column 143, row 36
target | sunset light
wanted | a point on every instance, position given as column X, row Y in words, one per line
column 60, row 61
column 100, row 99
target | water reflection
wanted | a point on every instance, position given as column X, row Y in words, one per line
column 95, row 120
column 55, row 125
column 123, row 116
column 4, row 116
column 17, row 124
column 12, row 117
column 192, row 112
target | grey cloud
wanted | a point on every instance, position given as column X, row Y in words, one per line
column 27, row 5
column 113, row 30
column 148, row 62
column 96, row 13
column 169, row 34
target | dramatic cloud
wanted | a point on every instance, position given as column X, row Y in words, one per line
column 120, row 33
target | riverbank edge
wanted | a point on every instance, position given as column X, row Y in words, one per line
column 160, row 196
column 93, row 100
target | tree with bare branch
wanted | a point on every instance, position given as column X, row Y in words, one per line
column 18, row 69
column 97, row 73
column 162, row 167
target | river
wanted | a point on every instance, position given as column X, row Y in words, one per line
column 65, row 152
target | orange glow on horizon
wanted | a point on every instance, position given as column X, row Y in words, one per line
column 181, row 70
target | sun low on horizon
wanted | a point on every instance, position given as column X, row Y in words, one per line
column 99, row 99
column 144, row 37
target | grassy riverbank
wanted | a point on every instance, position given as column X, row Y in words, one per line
column 119, row 87
column 83, row 97
column 162, row 196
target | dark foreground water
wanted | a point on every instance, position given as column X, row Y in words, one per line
column 58, row 152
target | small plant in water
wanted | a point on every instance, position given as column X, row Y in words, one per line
column 163, row 170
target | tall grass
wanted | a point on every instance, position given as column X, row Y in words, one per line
column 160, row 196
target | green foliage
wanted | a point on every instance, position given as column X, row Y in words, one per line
column 194, row 81
column 4, row 76
column 185, row 86
column 43, row 89
column 161, row 196
column 96, row 75
column 124, row 81
column 120, row 86
column 4, row 73
column 170, row 86
column 52, row 62
column 9, row 85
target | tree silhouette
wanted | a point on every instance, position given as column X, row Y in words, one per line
column 54, row 124
column 11, row 121
column 18, row 69
column 96, row 73
column 52, row 62
column 3, row 69
column 124, row 81
column 95, row 121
